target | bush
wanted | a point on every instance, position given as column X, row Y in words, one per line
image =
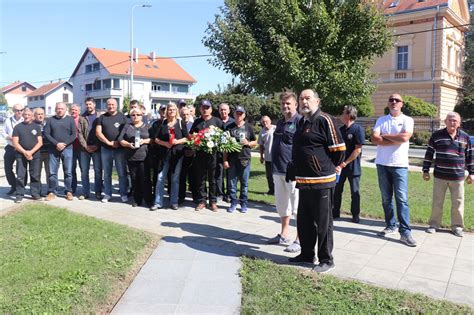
column 465, row 107
column 368, row 133
column 365, row 107
column 415, row 107
column 421, row 137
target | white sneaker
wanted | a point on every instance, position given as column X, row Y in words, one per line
column 458, row 232
column 124, row 198
column 105, row 199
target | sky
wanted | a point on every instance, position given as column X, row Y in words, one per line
column 42, row 41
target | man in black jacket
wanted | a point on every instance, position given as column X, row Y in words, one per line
column 317, row 149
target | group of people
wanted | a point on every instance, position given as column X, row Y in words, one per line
column 307, row 161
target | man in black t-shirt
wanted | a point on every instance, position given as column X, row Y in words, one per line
column 204, row 164
column 354, row 137
column 238, row 163
column 27, row 140
column 108, row 129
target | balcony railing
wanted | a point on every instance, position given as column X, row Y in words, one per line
column 400, row 75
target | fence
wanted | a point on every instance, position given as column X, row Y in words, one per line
column 421, row 123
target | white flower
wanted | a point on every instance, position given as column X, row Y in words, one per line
column 210, row 144
column 223, row 140
column 207, row 134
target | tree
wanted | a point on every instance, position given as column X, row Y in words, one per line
column 465, row 106
column 415, row 107
column 126, row 104
column 327, row 45
column 3, row 100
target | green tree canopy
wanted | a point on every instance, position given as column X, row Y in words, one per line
column 295, row 44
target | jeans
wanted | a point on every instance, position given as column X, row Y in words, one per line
column 85, row 162
column 22, row 165
column 108, row 157
column 239, row 172
column 394, row 180
column 55, row 157
column 160, row 184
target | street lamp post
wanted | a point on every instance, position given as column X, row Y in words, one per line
column 131, row 45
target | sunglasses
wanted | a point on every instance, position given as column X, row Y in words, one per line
column 396, row 100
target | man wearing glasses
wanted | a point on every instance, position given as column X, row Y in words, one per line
column 9, row 157
column 391, row 135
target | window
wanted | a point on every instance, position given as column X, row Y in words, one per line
column 97, row 85
column 106, row 84
column 98, row 103
column 88, row 68
column 160, row 86
column 41, row 97
column 88, row 87
column 116, row 83
column 93, row 67
column 66, row 98
column 30, row 98
column 181, row 88
column 402, row 57
column 23, row 88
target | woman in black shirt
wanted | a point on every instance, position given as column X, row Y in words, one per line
column 135, row 138
column 170, row 137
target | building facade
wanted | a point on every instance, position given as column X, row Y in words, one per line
column 15, row 93
column 104, row 74
column 48, row 95
column 426, row 60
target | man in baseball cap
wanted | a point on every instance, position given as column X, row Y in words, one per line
column 182, row 103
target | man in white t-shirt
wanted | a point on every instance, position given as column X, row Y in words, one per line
column 391, row 134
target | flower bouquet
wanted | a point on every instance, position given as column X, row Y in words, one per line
column 213, row 139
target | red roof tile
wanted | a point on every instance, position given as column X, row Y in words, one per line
column 117, row 63
column 44, row 89
column 408, row 5
column 14, row 85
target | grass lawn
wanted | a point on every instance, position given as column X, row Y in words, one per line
column 269, row 288
column 419, row 196
column 55, row 261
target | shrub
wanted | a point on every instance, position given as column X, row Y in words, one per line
column 365, row 107
column 368, row 133
column 421, row 137
column 415, row 107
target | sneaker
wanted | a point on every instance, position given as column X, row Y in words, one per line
column 69, row 196
column 431, row 230
column 279, row 240
column 213, row 206
column 18, row 199
column 408, row 240
column 232, row 208
column 105, row 199
column 124, row 198
column 174, row 207
column 293, row 247
column 83, row 197
column 387, row 231
column 243, row 209
column 50, row 196
column 154, row 208
column 200, row 206
column 301, row 259
column 134, row 204
column 458, row 232
column 324, row 267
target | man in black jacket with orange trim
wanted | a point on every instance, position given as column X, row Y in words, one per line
column 317, row 149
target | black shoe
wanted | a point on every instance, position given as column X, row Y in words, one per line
column 336, row 216
column 324, row 267
column 174, row 207
column 270, row 192
column 301, row 259
column 18, row 199
column 134, row 204
column 98, row 196
column 180, row 201
column 37, row 197
column 226, row 199
column 356, row 219
column 11, row 191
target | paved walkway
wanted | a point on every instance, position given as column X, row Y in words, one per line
column 195, row 267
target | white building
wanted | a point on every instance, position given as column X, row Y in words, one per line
column 48, row 95
column 104, row 74
column 16, row 92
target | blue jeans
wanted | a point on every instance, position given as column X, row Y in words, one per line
column 85, row 162
column 160, row 183
column 394, row 180
column 239, row 172
column 55, row 157
column 108, row 157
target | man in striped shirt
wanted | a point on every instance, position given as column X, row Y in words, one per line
column 453, row 150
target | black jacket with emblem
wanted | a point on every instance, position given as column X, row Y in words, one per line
column 317, row 148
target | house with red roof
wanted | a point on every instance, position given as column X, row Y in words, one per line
column 46, row 96
column 104, row 74
column 427, row 57
column 16, row 92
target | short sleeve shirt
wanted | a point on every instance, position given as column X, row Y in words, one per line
column 283, row 143
column 27, row 135
column 393, row 155
column 243, row 132
column 112, row 125
column 266, row 139
column 353, row 136
column 128, row 134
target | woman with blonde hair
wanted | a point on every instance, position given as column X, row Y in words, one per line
column 170, row 137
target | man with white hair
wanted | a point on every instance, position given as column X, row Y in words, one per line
column 453, row 150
